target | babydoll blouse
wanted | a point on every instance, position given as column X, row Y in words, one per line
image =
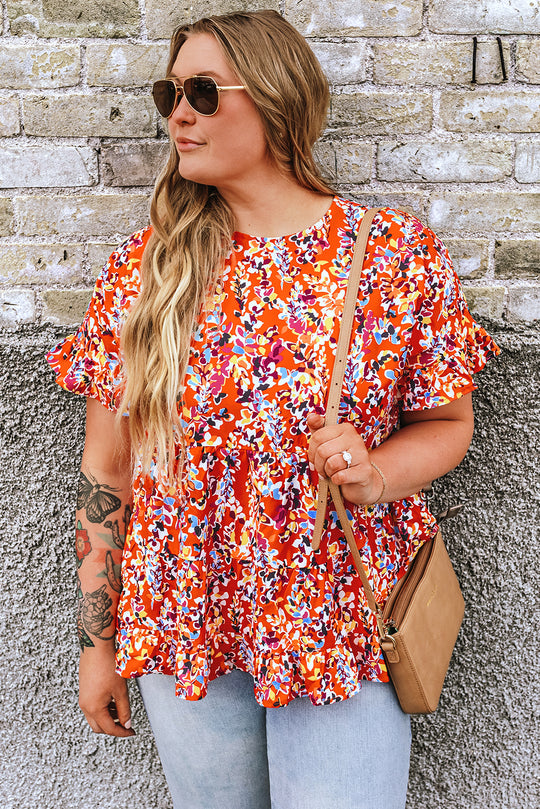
column 218, row 572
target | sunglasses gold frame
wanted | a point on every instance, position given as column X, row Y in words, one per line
column 179, row 90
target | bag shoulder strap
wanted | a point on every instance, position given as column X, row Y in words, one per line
column 332, row 406
column 342, row 352
column 347, row 317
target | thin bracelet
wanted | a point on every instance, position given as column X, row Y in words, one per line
column 376, row 468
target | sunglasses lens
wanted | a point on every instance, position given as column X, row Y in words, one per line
column 164, row 93
column 202, row 94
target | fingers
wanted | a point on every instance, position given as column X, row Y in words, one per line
column 333, row 465
column 123, row 710
column 103, row 694
column 321, row 434
column 106, row 720
column 93, row 724
column 109, row 723
column 327, row 445
column 315, row 421
column 339, row 453
column 335, row 462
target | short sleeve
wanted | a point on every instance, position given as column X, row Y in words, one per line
column 88, row 362
column 447, row 346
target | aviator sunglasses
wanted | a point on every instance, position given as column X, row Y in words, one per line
column 201, row 92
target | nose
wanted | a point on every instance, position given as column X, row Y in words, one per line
column 183, row 112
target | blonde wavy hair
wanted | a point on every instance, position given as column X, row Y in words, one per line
column 193, row 225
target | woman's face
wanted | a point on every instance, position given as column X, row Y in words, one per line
column 229, row 148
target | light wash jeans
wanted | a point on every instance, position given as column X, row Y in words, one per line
column 227, row 752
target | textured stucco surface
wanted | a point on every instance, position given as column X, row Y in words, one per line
column 478, row 752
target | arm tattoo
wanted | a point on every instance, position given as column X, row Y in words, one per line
column 118, row 538
column 115, row 531
column 83, row 545
column 127, row 519
column 113, row 579
column 96, row 498
column 94, row 616
column 84, row 639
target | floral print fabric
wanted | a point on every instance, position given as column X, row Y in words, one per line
column 219, row 573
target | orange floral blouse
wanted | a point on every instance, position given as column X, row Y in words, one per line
column 218, row 573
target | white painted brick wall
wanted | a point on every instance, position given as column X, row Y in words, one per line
column 493, row 16
column 446, row 162
column 81, row 142
column 47, row 166
column 120, row 64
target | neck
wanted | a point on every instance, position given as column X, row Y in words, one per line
column 275, row 205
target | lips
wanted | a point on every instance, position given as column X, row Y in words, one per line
column 186, row 144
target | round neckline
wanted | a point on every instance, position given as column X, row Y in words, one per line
column 321, row 224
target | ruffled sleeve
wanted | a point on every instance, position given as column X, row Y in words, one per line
column 447, row 346
column 88, row 361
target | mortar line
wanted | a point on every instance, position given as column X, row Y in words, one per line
column 143, row 31
column 5, row 19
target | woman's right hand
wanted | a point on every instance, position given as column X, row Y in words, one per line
column 103, row 694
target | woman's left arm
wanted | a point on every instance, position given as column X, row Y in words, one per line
column 429, row 444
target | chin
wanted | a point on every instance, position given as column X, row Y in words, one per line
column 200, row 177
column 189, row 171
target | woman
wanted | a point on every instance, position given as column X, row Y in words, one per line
column 206, row 355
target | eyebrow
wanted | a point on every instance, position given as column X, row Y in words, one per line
column 210, row 73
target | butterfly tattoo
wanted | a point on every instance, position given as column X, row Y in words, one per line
column 96, row 499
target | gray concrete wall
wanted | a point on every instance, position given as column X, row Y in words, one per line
column 479, row 751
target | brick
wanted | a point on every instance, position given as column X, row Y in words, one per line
column 65, row 307
column 528, row 162
column 78, row 115
column 47, row 166
column 437, row 63
column 528, row 60
column 98, row 255
column 484, row 16
column 9, row 117
column 23, row 16
column 485, row 212
column 132, row 163
column 469, row 256
column 41, row 263
column 25, row 67
column 125, row 65
column 523, row 304
column 109, row 215
column 162, row 18
column 491, row 111
column 354, row 162
column 17, row 307
column 6, row 217
column 486, row 301
column 382, row 113
column 517, row 258
column 469, row 162
column 343, row 63
column 369, row 18
column 325, row 157
column 81, row 18
column 411, row 203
